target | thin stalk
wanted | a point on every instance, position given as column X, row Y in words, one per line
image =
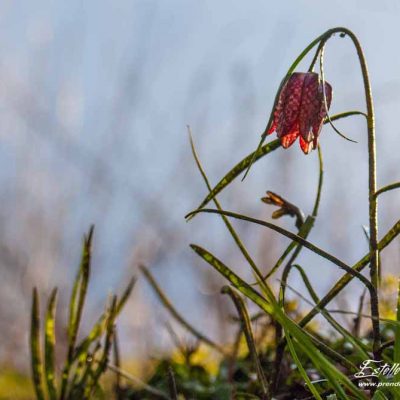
column 117, row 362
column 387, row 188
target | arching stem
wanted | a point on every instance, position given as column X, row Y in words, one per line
column 373, row 203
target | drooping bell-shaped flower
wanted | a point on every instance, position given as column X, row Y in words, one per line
column 300, row 110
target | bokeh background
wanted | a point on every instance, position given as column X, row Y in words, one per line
column 95, row 97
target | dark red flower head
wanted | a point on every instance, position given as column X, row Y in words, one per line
column 300, row 110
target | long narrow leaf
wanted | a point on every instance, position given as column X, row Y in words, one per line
column 49, row 345
column 248, row 332
column 36, row 357
column 77, row 302
column 103, row 362
column 302, row 371
column 79, row 293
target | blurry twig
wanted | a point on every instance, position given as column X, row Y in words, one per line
column 233, row 356
column 117, row 362
column 138, row 382
column 358, row 319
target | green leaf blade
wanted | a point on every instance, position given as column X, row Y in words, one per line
column 36, row 357
column 49, row 346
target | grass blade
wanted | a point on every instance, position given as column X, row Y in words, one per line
column 125, row 295
column 248, row 332
column 36, row 357
column 77, row 302
column 49, row 345
column 117, row 363
column 301, row 368
column 79, row 293
column 103, row 362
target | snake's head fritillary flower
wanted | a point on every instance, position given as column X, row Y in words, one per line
column 300, row 110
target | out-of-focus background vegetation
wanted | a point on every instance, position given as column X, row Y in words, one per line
column 94, row 102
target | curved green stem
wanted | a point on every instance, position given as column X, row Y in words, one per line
column 387, row 188
column 373, row 204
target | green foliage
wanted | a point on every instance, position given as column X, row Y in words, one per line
column 87, row 361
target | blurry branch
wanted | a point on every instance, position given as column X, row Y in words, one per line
column 358, row 319
column 117, row 362
column 168, row 305
column 138, row 382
